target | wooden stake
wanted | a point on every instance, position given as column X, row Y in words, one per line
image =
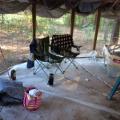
column 72, row 22
column 34, row 18
column 97, row 28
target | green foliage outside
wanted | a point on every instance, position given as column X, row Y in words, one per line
column 22, row 23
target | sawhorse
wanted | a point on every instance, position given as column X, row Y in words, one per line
column 114, row 88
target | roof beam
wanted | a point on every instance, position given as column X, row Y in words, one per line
column 114, row 3
column 98, row 15
column 110, row 1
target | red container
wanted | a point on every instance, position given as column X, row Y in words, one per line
column 31, row 103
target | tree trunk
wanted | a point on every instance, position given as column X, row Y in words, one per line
column 115, row 32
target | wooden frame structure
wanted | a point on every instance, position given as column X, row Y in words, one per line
column 98, row 16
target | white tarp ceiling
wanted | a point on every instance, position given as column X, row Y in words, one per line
column 52, row 8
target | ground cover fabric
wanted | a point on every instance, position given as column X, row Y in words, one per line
column 11, row 92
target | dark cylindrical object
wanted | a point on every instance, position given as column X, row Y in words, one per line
column 13, row 75
column 51, row 79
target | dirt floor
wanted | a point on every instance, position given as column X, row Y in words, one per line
column 82, row 95
column 15, row 49
column 15, row 45
column 78, row 95
column 54, row 108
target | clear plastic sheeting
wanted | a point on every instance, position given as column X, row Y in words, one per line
column 113, row 71
column 93, row 55
column 112, row 59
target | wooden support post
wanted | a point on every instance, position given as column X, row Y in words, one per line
column 97, row 28
column 72, row 22
column 34, row 18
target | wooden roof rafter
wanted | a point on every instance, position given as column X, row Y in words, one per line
column 114, row 3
